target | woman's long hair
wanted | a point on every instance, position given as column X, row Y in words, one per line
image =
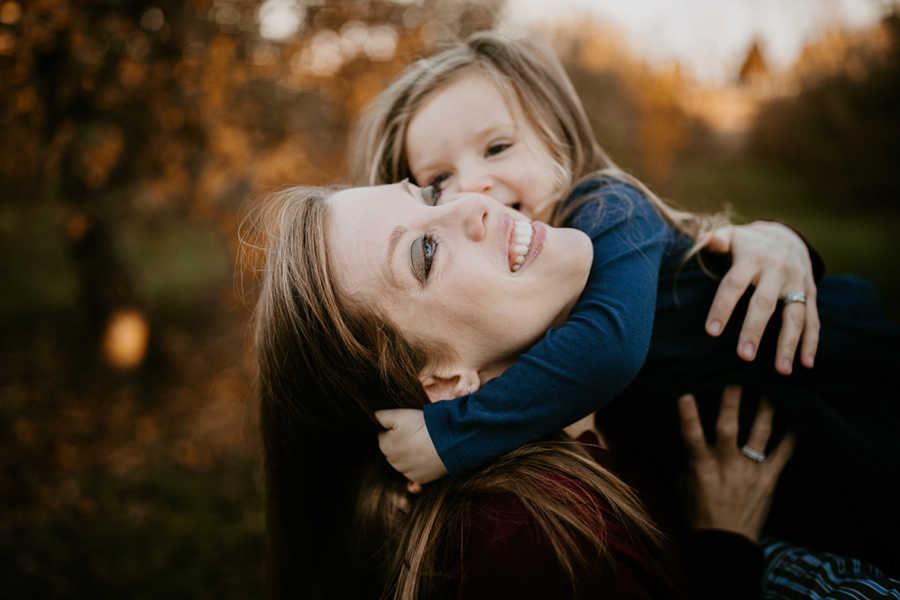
column 339, row 520
column 537, row 88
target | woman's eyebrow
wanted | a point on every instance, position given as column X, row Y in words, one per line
column 393, row 240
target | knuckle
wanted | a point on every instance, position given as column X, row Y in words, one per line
column 764, row 301
column 733, row 283
column 726, row 430
column 795, row 318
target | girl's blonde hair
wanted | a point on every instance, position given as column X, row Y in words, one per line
column 537, row 87
column 339, row 520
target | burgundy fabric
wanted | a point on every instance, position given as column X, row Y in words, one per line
column 506, row 554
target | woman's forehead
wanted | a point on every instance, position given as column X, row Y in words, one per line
column 359, row 225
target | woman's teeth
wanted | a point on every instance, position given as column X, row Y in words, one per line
column 522, row 235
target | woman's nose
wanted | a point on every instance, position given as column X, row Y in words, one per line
column 471, row 210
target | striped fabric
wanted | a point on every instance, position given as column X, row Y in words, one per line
column 793, row 572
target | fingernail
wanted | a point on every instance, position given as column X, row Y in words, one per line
column 784, row 366
column 747, row 350
column 809, row 361
column 714, row 327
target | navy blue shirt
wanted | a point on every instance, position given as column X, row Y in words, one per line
column 579, row 367
column 636, row 339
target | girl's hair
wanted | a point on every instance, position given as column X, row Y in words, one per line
column 339, row 520
column 536, row 87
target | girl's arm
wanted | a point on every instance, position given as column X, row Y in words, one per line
column 582, row 365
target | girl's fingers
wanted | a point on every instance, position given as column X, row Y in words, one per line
column 387, row 417
column 731, row 288
column 811, row 330
column 760, row 310
column 762, row 427
column 691, row 428
column 727, row 425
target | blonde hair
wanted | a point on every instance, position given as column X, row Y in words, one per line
column 325, row 365
column 534, row 82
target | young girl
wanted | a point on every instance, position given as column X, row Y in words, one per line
column 500, row 118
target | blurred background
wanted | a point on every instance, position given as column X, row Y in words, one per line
column 133, row 136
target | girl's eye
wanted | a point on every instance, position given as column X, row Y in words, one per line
column 431, row 195
column 495, row 149
column 422, row 256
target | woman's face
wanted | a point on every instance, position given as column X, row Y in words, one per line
column 465, row 273
column 467, row 138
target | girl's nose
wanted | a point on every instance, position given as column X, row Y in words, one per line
column 475, row 180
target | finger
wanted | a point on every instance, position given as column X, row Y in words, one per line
column 811, row 330
column 727, row 424
column 730, row 290
column 792, row 321
column 691, row 428
column 781, row 455
column 762, row 305
column 762, row 427
column 718, row 240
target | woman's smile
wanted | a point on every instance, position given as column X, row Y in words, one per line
column 526, row 240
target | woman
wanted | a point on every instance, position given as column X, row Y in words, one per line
column 332, row 349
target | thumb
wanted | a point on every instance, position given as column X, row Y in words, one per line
column 387, row 418
column 719, row 240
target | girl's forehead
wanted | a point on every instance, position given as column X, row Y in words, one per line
column 469, row 99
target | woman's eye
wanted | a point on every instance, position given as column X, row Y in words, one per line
column 422, row 256
column 429, row 247
column 494, row 149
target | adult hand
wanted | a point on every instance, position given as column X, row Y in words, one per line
column 776, row 260
column 732, row 491
column 408, row 447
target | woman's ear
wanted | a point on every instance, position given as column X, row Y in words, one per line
column 446, row 384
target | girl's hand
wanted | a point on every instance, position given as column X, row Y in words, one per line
column 408, row 447
column 731, row 490
column 774, row 259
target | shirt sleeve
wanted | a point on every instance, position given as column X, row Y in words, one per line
column 585, row 363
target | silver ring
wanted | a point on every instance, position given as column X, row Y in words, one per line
column 754, row 455
column 794, row 297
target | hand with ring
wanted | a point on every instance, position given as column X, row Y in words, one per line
column 776, row 260
column 732, row 487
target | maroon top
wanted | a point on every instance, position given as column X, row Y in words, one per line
column 506, row 554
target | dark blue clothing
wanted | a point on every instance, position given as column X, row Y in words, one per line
column 637, row 336
column 585, row 363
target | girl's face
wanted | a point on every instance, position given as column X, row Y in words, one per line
column 446, row 272
column 467, row 138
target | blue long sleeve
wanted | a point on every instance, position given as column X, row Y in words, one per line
column 585, row 363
